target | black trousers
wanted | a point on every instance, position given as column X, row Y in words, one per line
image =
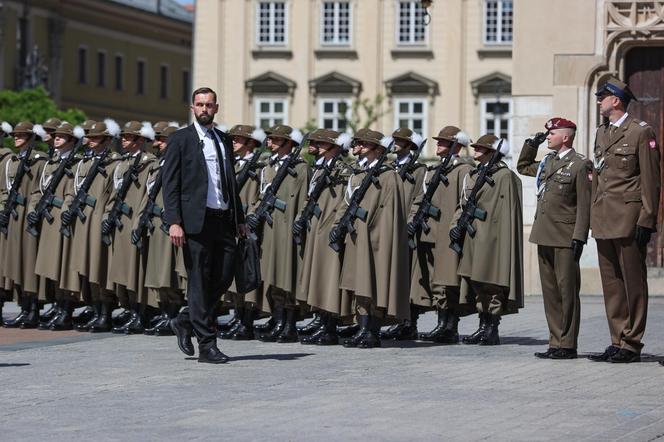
column 208, row 258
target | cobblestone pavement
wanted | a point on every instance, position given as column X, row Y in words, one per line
column 143, row 388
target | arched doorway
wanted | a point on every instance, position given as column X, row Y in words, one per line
column 644, row 72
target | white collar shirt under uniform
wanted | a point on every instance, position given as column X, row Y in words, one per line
column 214, row 193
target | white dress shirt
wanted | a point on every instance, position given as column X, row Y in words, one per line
column 214, row 193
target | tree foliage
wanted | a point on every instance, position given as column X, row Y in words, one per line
column 34, row 105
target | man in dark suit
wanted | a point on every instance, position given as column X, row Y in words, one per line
column 203, row 208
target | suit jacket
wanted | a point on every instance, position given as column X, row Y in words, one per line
column 626, row 189
column 563, row 202
column 185, row 181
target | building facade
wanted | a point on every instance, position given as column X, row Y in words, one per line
column 127, row 59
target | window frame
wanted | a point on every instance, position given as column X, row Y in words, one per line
column 186, row 85
column 484, row 117
column 101, row 73
column 499, row 23
column 271, row 34
column 397, row 27
column 119, row 75
column 83, row 69
column 258, row 115
column 335, row 100
column 142, row 89
column 397, row 101
column 336, row 42
column 164, row 83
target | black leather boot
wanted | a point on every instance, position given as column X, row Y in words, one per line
column 266, row 326
column 85, row 316
column 104, row 323
column 475, row 337
column 312, row 326
column 405, row 331
column 245, row 332
column 235, row 323
column 329, row 336
column 158, row 320
column 278, row 314
column 235, row 320
column 363, row 322
column 137, row 325
column 121, row 329
column 450, row 334
column 48, row 315
column 438, row 329
column 490, row 336
column 122, row 318
column 64, row 319
column 164, row 329
column 57, row 305
column 348, row 332
column 15, row 322
column 289, row 333
column 313, row 337
column 372, row 339
column 86, row 327
column 32, row 320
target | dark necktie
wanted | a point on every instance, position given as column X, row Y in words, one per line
column 222, row 167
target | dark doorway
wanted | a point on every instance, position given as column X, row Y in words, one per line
column 644, row 71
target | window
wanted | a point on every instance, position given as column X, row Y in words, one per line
column 272, row 26
column 498, row 16
column 163, row 81
column 411, row 113
column 140, row 77
column 101, row 69
column 271, row 111
column 334, row 114
column 336, row 23
column 411, row 29
column 186, row 86
column 82, row 65
column 119, row 73
column 496, row 116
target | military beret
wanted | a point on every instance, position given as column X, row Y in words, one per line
column 613, row 86
column 559, row 123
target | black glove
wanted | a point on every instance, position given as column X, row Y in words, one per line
column 642, row 236
column 252, row 221
column 456, row 234
column 411, row 228
column 577, row 249
column 135, row 237
column 297, row 228
column 106, row 227
column 536, row 140
column 4, row 219
column 66, row 217
column 33, row 218
column 335, row 235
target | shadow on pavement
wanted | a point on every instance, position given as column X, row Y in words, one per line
column 276, row 357
column 522, row 340
column 16, row 364
column 409, row 344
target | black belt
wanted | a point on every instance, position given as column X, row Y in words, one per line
column 218, row 213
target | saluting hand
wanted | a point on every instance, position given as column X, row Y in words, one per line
column 177, row 235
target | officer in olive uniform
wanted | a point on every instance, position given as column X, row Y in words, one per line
column 623, row 216
column 436, row 270
column 560, row 230
column 6, row 289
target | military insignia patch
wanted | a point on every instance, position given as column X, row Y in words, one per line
column 643, row 124
column 652, row 144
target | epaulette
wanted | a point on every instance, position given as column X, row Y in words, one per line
column 641, row 123
column 580, row 155
column 39, row 156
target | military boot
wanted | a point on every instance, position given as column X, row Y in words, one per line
column 363, row 322
column 238, row 314
column 405, row 331
column 312, row 326
column 450, row 334
column 104, row 323
column 490, row 336
column 86, row 327
column 137, row 325
column 64, row 319
column 245, row 332
column 372, row 339
column 313, row 338
column 266, row 326
column 32, row 320
column 348, row 332
column 158, row 320
column 133, row 316
column 85, row 316
column 165, row 329
column 122, row 318
column 329, row 335
column 48, row 315
column 475, row 337
column 280, row 322
column 235, row 320
column 289, row 333
column 438, row 329
column 15, row 322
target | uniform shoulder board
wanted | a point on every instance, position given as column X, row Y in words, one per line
column 580, row 155
column 39, row 156
column 643, row 123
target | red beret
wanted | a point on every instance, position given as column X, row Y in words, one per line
column 559, row 123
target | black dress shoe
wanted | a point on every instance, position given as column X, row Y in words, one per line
column 625, row 356
column 212, row 356
column 312, row 326
column 164, row 329
column 15, row 322
column 183, row 333
column 604, row 357
column 545, row 354
column 564, row 353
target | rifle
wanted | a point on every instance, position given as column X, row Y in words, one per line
column 406, row 171
column 426, row 209
column 119, row 206
column 151, row 210
column 83, row 198
column 15, row 199
column 353, row 211
column 470, row 210
column 312, row 208
column 248, row 171
column 269, row 200
column 48, row 199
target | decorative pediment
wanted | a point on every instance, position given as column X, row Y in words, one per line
column 411, row 83
column 270, row 83
column 335, row 83
column 495, row 83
